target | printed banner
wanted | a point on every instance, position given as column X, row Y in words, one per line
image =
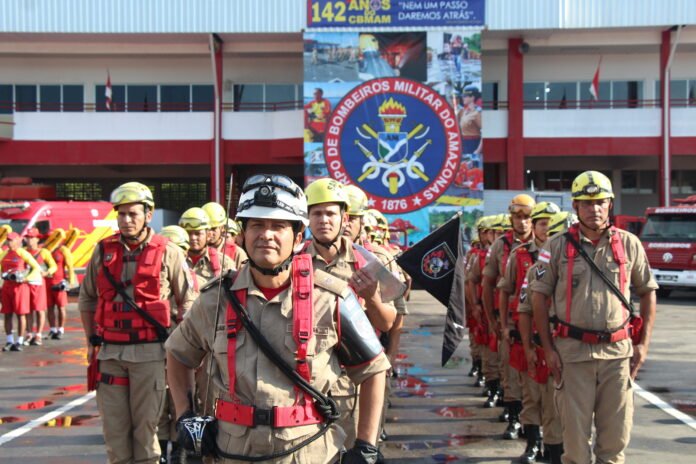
column 394, row 13
column 399, row 115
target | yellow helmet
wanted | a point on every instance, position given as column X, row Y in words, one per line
column 591, row 185
column 233, row 227
column 368, row 42
column 216, row 213
column 132, row 192
column 560, row 222
column 177, row 235
column 545, row 210
column 194, row 219
column 326, row 190
column 507, row 223
column 480, row 223
column 521, row 202
column 369, row 221
column 380, row 219
column 55, row 238
column 357, row 200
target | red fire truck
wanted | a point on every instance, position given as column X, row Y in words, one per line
column 669, row 238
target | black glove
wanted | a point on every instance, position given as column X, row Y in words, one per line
column 196, row 434
column 361, row 453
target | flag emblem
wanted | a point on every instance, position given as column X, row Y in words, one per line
column 438, row 262
column 545, row 256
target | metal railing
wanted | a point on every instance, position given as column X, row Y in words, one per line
column 144, row 107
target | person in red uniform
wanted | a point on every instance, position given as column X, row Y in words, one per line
column 57, row 285
column 316, row 114
column 37, row 288
column 16, row 264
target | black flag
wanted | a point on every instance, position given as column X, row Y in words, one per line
column 437, row 263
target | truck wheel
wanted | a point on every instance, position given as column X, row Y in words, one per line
column 663, row 292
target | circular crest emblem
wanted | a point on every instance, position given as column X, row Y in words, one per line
column 396, row 139
column 667, row 257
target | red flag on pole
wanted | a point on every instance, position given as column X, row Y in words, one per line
column 107, row 91
column 594, row 87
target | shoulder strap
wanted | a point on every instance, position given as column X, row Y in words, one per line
column 302, row 310
column 162, row 333
column 627, row 304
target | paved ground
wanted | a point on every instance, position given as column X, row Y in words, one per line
column 436, row 415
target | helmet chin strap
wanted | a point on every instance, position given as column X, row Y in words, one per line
column 284, row 266
column 136, row 238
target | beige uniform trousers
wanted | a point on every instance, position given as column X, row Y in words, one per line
column 602, row 387
column 539, row 408
column 130, row 413
column 511, row 378
column 490, row 363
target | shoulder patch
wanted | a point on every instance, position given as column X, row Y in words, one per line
column 328, row 282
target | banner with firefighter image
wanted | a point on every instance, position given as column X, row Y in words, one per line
column 399, row 115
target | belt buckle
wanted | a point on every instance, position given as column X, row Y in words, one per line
column 604, row 337
column 263, row 417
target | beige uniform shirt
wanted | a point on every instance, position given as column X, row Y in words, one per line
column 494, row 259
column 203, row 268
column 174, row 280
column 342, row 267
column 508, row 283
column 258, row 381
column 389, row 262
column 593, row 305
column 473, row 269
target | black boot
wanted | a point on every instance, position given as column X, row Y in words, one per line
column 480, row 379
column 501, row 395
column 178, row 455
column 512, row 432
column 163, row 447
column 473, row 372
column 531, row 452
column 505, row 415
column 555, row 453
column 492, row 393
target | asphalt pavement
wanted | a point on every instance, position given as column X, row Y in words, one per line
column 436, row 414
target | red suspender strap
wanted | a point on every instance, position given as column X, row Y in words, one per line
column 194, row 277
column 214, row 260
column 619, row 253
column 302, row 310
column 233, row 326
column 571, row 253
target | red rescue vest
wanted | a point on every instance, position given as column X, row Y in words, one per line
column 116, row 322
column 303, row 412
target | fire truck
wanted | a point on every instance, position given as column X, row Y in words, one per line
column 669, row 238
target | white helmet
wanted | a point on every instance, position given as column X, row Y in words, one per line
column 272, row 196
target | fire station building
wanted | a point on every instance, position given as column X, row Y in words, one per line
column 202, row 90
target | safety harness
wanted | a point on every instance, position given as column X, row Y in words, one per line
column 303, row 412
column 229, row 249
column 524, row 259
column 563, row 327
column 214, row 257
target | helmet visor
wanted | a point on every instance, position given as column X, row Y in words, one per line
column 514, row 209
column 592, row 190
column 278, row 181
column 193, row 224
